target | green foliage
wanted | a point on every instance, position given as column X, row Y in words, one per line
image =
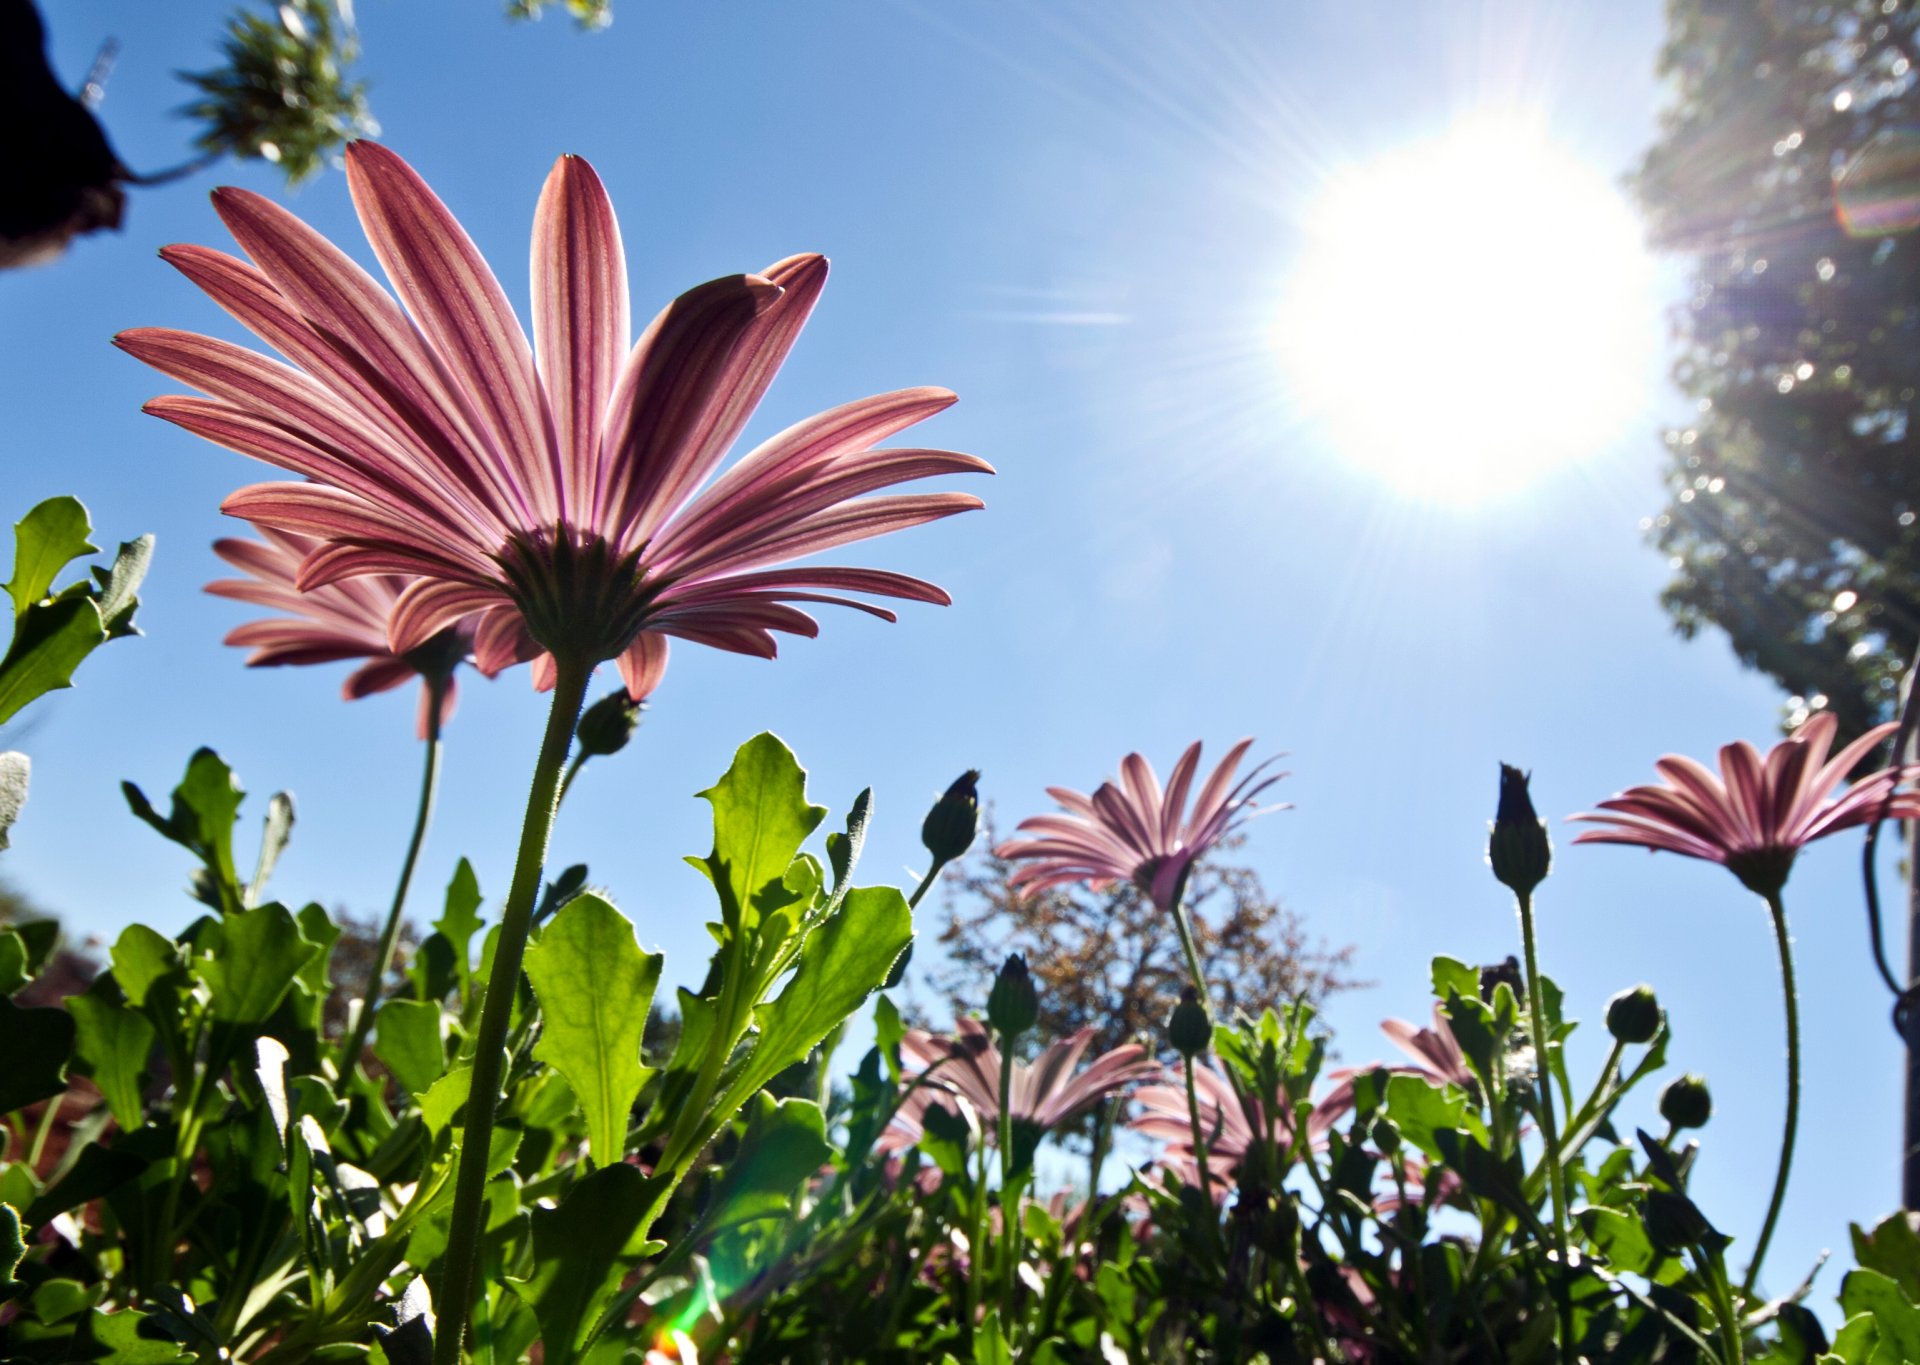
column 54, row 629
column 37, row 1044
column 283, row 95
column 586, row 13
column 1793, row 497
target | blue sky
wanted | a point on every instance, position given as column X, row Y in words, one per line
column 1082, row 217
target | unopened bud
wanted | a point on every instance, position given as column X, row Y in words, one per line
column 1013, row 1005
column 1189, row 1031
column 1519, row 849
column 1386, row 1135
column 1633, row 1016
column 607, row 725
column 955, row 818
column 1686, row 1102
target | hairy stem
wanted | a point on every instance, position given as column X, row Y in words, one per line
column 390, row 932
column 1549, row 1131
column 1785, row 940
column 455, row 1299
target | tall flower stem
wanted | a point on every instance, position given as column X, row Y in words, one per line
column 1549, row 1128
column 455, row 1298
column 1199, row 1135
column 390, row 932
column 1779, row 912
column 1184, row 926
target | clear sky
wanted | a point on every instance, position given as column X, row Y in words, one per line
column 1088, row 219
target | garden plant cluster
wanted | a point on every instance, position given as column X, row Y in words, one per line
column 223, row 1146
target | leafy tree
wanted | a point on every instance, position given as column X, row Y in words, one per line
column 1110, row 959
column 1785, row 168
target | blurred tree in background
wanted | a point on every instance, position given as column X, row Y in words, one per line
column 1111, row 960
column 1788, row 167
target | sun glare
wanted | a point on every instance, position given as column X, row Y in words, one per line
column 1468, row 312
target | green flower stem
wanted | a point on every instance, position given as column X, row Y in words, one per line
column 1785, row 940
column 1549, row 1131
column 390, row 932
column 455, row 1299
column 1185, row 928
column 1009, row 1212
column 1199, row 1137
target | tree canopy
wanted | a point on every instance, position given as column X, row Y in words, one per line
column 1787, row 168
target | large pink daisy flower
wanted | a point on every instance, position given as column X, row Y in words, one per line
column 1132, row 831
column 1755, row 816
column 344, row 620
column 554, row 488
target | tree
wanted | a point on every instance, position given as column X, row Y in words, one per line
column 1111, row 960
column 1784, row 169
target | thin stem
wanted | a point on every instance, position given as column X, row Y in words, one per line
column 390, row 932
column 1187, row 947
column 573, row 771
column 1199, row 1138
column 1549, row 1132
column 41, row 1133
column 1779, row 912
column 1009, row 1212
column 455, row 1299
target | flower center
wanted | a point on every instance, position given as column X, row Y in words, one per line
column 1763, row 870
column 579, row 598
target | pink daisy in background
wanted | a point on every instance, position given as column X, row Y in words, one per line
column 1231, row 1124
column 344, row 620
column 1046, row 1093
column 1757, row 814
column 1133, row 831
column 555, row 488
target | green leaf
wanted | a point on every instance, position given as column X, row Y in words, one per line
column 1895, row 1318
column 141, row 957
column 1420, row 1110
column 580, row 1253
column 785, row 1142
column 1855, row 1343
column 46, row 540
column 760, row 818
column 49, row 642
column 1893, row 1249
column 408, row 1038
column 98, row 1171
column 36, row 1044
column 318, row 928
column 13, row 962
column 843, row 962
column 277, row 829
column 1619, row 1236
column 1451, row 976
column 117, row 602
column 13, row 1249
column 445, row 1098
column 595, row 989
column 990, row 1343
column 112, row 1043
column 15, row 770
column 253, row 959
column 461, row 921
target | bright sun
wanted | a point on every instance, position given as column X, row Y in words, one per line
column 1468, row 312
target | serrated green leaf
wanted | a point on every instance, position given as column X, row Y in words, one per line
column 13, row 962
column 460, row 920
column 49, row 641
column 1893, row 1249
column 317, row 926
column 141, row 957
column 595, row 988
column 761, row 816
column 37, row 1044
column 1420, row 1109
column 1619, row 1236
column 844, row 961
column 445, row 1098
column 97, row 1172
column 1450, row 975
column 119, row 583
column 408, row 1038
column 45, row 541
column 251, row 961
column 784, row 1143
column 580, row 1252
column 15, row 771
column 13, row 1249
column 1855, row 1342
column 112, row 1043
column 1896, row 1318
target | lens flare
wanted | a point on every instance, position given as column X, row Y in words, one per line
column 1877, row 193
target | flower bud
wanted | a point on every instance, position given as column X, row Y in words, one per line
column 1519, row 849
column 955, row 818
column 1686, row 1102
column 607, row 725
column 1189, row 1031
column 1012, row 1006
column 1633, row 1016
column 1386, row 1135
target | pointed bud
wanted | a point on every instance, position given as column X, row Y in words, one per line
column 1386, row 1135
column 1633, row 1016
column 1686, row 1102
column 1013, row 1005
column 607, row 725
column 955, row 818
column 1189, row 1031
column 1519, row 849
